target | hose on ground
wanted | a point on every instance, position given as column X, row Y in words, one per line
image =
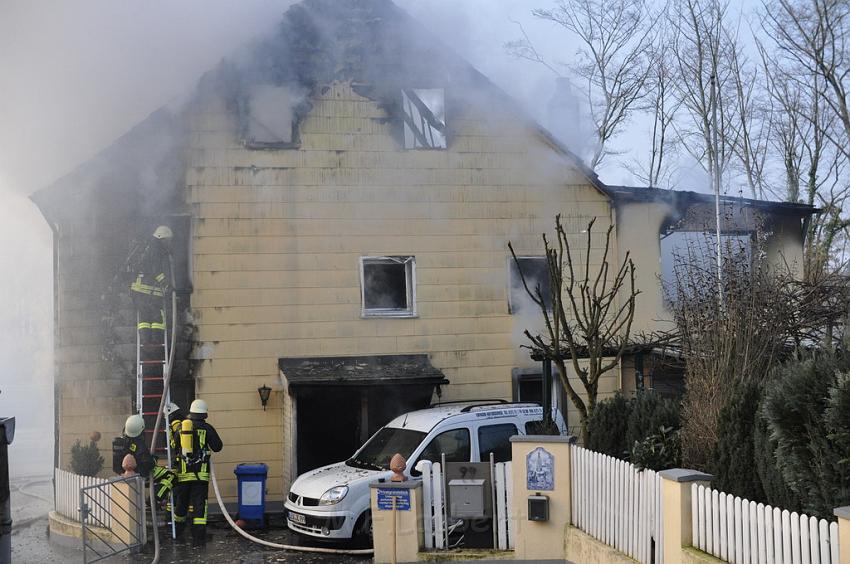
column 274, row 544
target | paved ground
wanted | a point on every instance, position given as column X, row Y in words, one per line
column 32, row 499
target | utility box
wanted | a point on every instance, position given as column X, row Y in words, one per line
column 467, row 499
column 251, row 481
column 538, row 508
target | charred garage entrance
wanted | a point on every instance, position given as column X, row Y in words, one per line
column 339, row 402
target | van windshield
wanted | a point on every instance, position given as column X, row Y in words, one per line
column 376, row 454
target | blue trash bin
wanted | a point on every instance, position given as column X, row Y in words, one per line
column 251, row 482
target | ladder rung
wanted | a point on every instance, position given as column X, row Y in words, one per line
column 151, row 362
column 151, row 395
column 152, row 378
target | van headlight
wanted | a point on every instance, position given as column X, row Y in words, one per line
column 333, row 495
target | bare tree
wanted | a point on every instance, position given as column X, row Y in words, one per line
column 702, row 49
column 662, row 104
column 615, row 39
column 806, row 64
column 588, row 316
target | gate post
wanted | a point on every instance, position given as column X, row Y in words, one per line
column 397, row 531
column 676, row 510
column 843, row 514
column 128, row 511
column 541, row 475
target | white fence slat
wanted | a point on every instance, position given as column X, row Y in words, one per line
column 823, row 533
column 762, row 534
column 795, row 538
column 509, row 492
column 768, row 534
column 705, row 520
column 814, row 544
column 724, row 540
column 833, row 541
column 427, row 505
column 501, row 516
column 738, row 531
column 777, row 535
column 786, row 537
column 715, row 523
column 746, row 553
column 805, row 542
column 437, row 492
column 754, row 533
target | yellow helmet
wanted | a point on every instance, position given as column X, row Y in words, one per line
column 163, row 232
column 134, row 426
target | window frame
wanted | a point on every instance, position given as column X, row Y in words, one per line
column 410, row 281
column 404, row 125
column 511, row 264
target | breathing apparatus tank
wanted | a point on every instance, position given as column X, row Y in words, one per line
column 186, row 429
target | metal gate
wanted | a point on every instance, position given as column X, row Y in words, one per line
column 112, row 516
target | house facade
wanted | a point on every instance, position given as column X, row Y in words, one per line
column 343, row 200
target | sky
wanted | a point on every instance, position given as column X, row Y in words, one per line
column 77, row 75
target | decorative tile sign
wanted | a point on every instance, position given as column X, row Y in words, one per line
column 386, row 497
column 540, row 470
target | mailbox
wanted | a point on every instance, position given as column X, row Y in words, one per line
column 466, row 499
column 538, row 508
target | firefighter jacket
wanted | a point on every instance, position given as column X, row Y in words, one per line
column 151, row 270
column 136, row 446
column 205, row 441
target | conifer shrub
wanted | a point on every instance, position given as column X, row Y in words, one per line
column 803, row 411
column 734, row 465
column 650, row 412
column 86, row 459
column 607, row 425
column 659, row 451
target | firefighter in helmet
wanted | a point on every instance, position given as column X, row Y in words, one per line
column 152, row 271
column 198, row 440
column 133, row 442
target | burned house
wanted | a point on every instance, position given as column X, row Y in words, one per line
column 342, row 198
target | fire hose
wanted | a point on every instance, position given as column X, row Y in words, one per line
column 166, row 378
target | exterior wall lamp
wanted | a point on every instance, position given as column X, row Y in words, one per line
column 264, row 392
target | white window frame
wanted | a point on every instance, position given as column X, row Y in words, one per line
column 511, row 264
column 410, row 279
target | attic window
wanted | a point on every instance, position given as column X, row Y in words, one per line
column 270, row 117
column 536, row 272
column 424, row 118
column 388, row 286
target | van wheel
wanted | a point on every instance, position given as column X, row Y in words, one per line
column 363, row 530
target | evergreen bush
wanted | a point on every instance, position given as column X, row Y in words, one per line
column 86, row 459
column 802, row 408
column 734, row 465
column 649, row 413
column 607, row 424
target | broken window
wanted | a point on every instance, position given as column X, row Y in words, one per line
column 536, row 272
column 388, row 286
column 270, row 119
column 424, row 115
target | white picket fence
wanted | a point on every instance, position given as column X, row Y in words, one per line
column 617, row 504
column 433, row 506
column 740, row 531
column 67, row 497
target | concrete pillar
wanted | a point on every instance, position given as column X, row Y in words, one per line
column 128, row 511
column 541, row 540
column 843, row 514
column 676, row 510
column 402, row 540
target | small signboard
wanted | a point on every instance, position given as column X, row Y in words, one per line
column 387, row 495
column 540, row 470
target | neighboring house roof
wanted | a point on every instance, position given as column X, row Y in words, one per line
column 395, row 369
column 684, row 198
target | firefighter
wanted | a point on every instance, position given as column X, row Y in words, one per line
column 198, row 440
column 152, row 272
column 146, row 463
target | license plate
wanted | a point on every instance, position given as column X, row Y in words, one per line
column 297, row 518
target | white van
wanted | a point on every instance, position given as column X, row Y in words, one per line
column 333, row 502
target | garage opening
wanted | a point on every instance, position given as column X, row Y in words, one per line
column 341, row 401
